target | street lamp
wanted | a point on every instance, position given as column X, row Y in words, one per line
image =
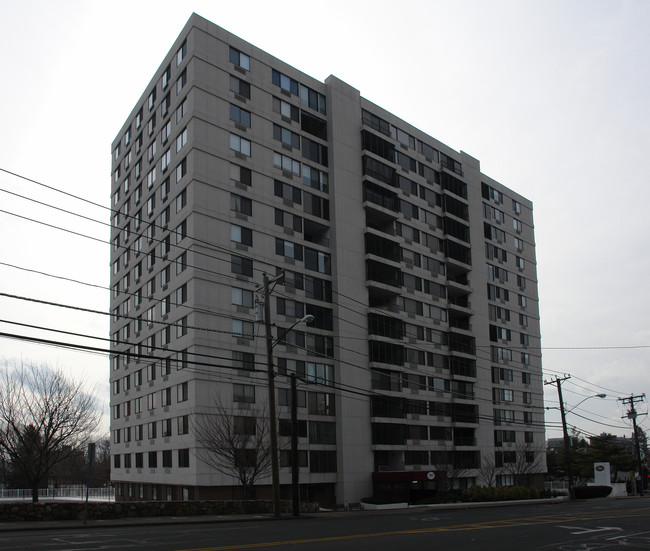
column 585, row 399
column 566, row 435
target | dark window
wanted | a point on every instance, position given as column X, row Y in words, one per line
column 240, row 116
column 313, row 125
column 184, row 458
column 240, row 87
column 241, row 265
column 314, row 151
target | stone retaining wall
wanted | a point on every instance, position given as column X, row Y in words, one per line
column 50, row 510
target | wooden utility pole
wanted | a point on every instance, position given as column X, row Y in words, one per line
column 275, row 466
column 631, row 401
column 567, row 444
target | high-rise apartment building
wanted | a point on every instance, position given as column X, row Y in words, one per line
column 421, row 369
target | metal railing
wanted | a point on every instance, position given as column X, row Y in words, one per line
column 72, row 492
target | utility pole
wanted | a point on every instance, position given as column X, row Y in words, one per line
column 631, row 401
column 273, row 433
column 567, row 446
column 275, row 466
column 294, row 449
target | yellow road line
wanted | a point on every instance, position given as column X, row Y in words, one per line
column 505, row 523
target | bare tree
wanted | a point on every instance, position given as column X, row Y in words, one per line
column 45, row 417
column 449, row 469
column 529, row 461
column 487, row 475
column 235, row 445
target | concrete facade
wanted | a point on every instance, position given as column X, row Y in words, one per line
column 424, row 355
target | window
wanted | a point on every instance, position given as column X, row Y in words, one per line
column 288, row 220
column 167, row 459
column 181, row 140
column 240, row 59
column 243, row 329
column 181, row 263
column 151, row 430
column 241, row 265
column 322, row 432
column 312, row 99
column 286, row 136
column 315, row 178
column 241, row 235
column 166, row 396
column 314, row 151
column 285, row 109
column 244, row 425
column 285, row 83
column 181, row 231
column 240, row 174
column 181, row 110
column 317, row 261
column 183, row 425
column 240, row 145
column 181, row 170
column 151, row 101
column 320, row 403
column 181, row 327
column 291, row 308
column 240, row 87
column 182, row 52
column 242, row 297
column 153, row 460
column 165, row 132
column 181, row 200
column 181, row 81
column 243, row 360
column 181, row 294
column 243, row 393
column 151, row 178
column 184, row 458
column 288, row 192
column 286, row 164
column 322, row 461
column 503, row 395
column 240, row 204
column 288, row 249
column 519, row 262
column 151, row 125
column 240, row 116
column 182, row 392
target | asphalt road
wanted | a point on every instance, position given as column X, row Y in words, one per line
column 604, row 524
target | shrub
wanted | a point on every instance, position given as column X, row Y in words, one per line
column 589, row 492
column 499, row 493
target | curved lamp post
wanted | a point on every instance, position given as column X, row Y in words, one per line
column 566, row 436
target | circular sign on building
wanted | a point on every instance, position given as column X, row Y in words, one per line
column 431, row 475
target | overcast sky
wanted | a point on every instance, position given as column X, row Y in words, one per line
column 551, row 97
